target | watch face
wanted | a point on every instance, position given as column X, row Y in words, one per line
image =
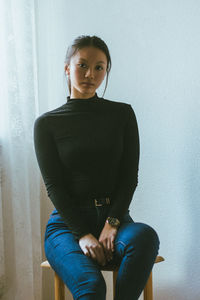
column 113, row 221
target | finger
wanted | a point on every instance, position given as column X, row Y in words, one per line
column 87, row 254
column 109, row 245
column 112, row 245
column 109, row 251
column 97, row 255
column 105, row 249
column 108, row 254
column 100, row 255
column 92, row 253
column 87, row 251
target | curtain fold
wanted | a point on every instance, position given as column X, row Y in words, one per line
column 20, row 230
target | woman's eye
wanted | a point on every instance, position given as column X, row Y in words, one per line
column 82, row 65
column 99, row 68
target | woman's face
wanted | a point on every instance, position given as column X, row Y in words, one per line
column 86, row 70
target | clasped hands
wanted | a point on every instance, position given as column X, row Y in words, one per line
column 102, row 249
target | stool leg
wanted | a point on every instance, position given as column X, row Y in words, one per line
column 148, row 290
column 59, row 288
column 114, row 282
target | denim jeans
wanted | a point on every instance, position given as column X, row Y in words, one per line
column 136, row 247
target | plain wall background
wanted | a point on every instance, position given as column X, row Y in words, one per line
column 155, row 48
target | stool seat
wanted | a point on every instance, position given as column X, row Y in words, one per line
column 59, row 284
column 46, row 264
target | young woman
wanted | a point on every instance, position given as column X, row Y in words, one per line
column 88, row 153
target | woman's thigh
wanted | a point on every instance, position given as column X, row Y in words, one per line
column 80, row 273
column 63, row 250
column 134, row 236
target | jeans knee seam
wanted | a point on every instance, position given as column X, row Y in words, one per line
column 121, row 243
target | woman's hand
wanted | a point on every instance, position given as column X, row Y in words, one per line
column 92, row 248
column 107, row 238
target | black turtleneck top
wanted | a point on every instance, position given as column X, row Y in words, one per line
column 88, row 148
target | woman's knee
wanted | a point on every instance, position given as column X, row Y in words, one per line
column 137, row 236
column 147, row 237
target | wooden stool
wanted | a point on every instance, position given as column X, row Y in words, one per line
column 60, row 287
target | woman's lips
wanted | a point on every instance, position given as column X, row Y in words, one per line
column 88, row 84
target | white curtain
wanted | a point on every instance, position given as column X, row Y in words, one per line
column 20, row 232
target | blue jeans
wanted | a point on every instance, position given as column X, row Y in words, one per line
column 136, row 247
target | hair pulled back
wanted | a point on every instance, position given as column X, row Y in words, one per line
column 88, row 41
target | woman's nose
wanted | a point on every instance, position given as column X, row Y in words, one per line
column 89, row 73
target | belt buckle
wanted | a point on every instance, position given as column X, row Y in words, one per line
column 96, row 203
column 107, row 200
column 100, row 204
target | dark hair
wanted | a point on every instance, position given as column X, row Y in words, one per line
column 88, row 41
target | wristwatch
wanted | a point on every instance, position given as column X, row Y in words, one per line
column 113, row 221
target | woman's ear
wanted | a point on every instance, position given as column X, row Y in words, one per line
column 67, row 69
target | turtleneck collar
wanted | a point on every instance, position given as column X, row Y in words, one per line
column 95, row 97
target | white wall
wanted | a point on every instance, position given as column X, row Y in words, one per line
column 155, row 48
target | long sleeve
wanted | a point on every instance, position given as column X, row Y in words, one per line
column 53, row 175
column 88, row 148
column 127, row 179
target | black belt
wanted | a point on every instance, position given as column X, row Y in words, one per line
column 102, row 201
column 92, row 202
